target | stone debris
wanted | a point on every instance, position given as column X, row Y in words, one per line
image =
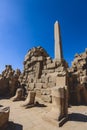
column 78, row 80
column 30, row 100
column 19, row 95
column 40, row 72
column 9, row 81
column 4, row 117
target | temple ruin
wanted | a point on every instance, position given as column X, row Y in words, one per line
column 49, row 79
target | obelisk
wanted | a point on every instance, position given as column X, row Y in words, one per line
column 58, row 44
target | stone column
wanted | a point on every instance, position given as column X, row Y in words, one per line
column 59, row 110
column 58, row 44
column 59, row 102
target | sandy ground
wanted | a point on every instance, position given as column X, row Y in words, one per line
column 31, row 118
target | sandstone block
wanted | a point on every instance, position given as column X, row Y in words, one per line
column 51, row 65
column 34, row 58
column 51, row 70
column 38, row 85
column 46, row 91
column 46, row 98
column 58, row 69
column 49, row 61
column 45, row 67
column 31, row 86
column 4, row 117
column 61, row 81
column 45, row 85
column 44, row 71
column 50, row 85
column 38, row 92
column 40, row 58
column 38, row 80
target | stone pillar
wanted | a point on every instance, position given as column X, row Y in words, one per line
column 58, row 44
column 59, row 102
column 59, row 111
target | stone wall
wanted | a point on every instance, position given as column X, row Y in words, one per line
column 9, row 81
column 78, row 79
column 41, row 72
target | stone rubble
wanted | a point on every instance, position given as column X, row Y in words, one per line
column 78, row 80
column 41, row 72
column 9, row 81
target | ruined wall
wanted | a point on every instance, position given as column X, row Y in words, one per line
column 9, row 81
column 41, row 72
column 78, row 79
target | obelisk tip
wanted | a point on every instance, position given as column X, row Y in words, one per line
column 56, row 21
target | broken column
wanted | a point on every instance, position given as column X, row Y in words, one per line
column 19, row 95
column 4, row 117
column 30, row 100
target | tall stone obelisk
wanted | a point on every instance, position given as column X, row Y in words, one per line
column 58, row 44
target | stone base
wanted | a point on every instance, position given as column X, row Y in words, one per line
column 4, row 117
column 54, row 119
column 30, row 106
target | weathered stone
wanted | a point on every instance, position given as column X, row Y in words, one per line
column 31, row 86
column 38, row 92
column 40, row 58
column 19, row 95
column 38, row 85
column 4, row 117
column 38, row 80
column 46, row 91
column 50, row 66
column 61, row 80
column 9, row 81
column 51, row 71
column 30, row 99
column 45, row 67
column 48, row 61
column 46, row 98
column 59, row 108
column 4, row 86
column 45, row 85
column 44, row 71
column 58, row 69
column 52, row 79
column 50, row 85
column 58, row 44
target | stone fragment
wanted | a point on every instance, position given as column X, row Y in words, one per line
column 59, row 106
column 39, row 85
column 46, row 98
column 19, row 95
column 31, row 86
column 61, row 80
column 30, row 99
column 4, row 117
column 46, row 91
column 51, row 66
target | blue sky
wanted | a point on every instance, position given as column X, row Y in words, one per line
column 28, row 23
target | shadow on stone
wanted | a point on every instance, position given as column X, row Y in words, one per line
column 37, row 104
column 4, row 97
column 77, row 117
column 1, row 105
column 14, row 126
